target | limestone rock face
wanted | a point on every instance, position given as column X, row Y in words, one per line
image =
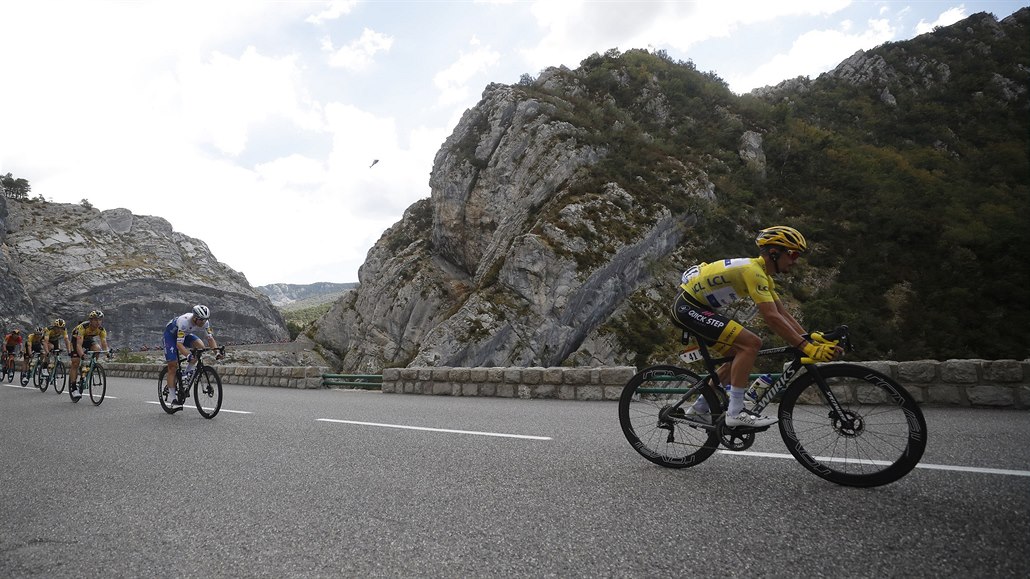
column 61, row 260
column 507, row 263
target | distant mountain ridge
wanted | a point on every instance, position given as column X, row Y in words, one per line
column 289, row 295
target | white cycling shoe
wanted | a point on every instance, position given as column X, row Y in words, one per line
column 750, row 420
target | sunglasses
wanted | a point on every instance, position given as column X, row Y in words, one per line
column 793, row 254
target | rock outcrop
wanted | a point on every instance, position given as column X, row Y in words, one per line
column 562, row 209
column 61, row 260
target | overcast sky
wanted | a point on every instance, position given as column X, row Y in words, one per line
column 252, row 125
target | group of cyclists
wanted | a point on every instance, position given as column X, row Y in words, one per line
column 90, row 335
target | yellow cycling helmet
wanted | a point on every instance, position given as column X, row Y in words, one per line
column 96, row 315
column 782, row 236
column 59, row 323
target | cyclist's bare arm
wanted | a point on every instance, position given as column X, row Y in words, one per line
column 781, row 322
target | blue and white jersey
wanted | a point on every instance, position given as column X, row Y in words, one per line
column 183, row 326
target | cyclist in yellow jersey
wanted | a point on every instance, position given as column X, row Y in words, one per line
column 710, row 286
column 33, row 344
column 84, row 336
column 52, row 339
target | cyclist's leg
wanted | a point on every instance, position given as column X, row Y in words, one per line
column 73, row 372
column 171, row 360
column 720, row 334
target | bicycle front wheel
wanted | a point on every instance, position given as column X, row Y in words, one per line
column 42, row 378
column 97, row 385
column 207, row 392
column 671, row 440
column 877, row 437
column 59, row 378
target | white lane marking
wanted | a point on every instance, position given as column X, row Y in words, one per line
column 28, row 388
column 205, row 408
column 404, row 427
column 976, row 469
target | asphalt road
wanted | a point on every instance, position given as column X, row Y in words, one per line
column 288, row 483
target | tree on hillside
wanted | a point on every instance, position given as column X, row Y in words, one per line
column 15, row 188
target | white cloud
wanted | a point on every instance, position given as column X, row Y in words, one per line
column 223, row 97
column 335, row 9
column 813, row 53
column 452, row 82
column 575, row 29
column 359, row 54
column 947, row 18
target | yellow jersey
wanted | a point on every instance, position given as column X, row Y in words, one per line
column 84, row 330
column 725, row 282
column 53, row 334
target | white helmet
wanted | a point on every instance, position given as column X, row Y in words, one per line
column 201, row 312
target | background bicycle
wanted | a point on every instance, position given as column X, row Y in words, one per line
column 30, row 371
column 52, row 374
column 7, row 368
column 204, row 381
column 92, row 377
column 843, row 422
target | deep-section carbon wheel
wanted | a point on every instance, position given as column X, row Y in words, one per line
column 660, row 434
column 207, row 392
column 60, row 377
column 162, row 390
column 876, row 437
column 97, row 385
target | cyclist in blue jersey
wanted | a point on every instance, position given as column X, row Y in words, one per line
column 179, row 338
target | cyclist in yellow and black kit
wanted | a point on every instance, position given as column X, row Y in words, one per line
column 85, row 336
column 33, row 345
column 708, row 287
column 52, row 339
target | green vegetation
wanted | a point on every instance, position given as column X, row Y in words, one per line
column 298, row 319
column 916, row 211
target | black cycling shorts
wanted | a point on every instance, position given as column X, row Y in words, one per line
column 718, row 331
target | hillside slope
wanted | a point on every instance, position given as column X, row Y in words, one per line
column 564, row 209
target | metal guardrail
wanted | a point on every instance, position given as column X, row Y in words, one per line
column 364, row 381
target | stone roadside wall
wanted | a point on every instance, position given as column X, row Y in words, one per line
column 561, row 383
column 303, row 377
column 994, row 383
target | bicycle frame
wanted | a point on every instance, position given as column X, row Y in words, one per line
column 795, row 368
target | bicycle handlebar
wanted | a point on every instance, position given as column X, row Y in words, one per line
column 839, row 334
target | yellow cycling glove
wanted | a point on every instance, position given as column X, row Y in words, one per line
column 823, row 352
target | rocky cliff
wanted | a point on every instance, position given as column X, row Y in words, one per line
column 60, row 260
column 562, row 210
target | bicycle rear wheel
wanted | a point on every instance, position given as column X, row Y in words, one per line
column 162, row 390
column 879, row 438
column 97, row 385
column 59, row 378
column 673, row 441
column 207, row 392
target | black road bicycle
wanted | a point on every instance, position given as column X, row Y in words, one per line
column 52, row 374
column 846, row 423
column 8, row 368
column 93, row 377
column 205, row 383
column 30, row 371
